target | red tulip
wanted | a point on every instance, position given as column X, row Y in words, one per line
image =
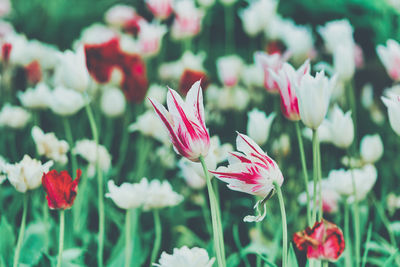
column 189, row 77
column 324, row 241
column 60, row 189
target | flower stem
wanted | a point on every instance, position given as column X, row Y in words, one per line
column 321, row 210
column 353, row 106
column 99, row 187
column 304, row 167
column 215, row 219
column 284, row 224
column 70, row 139
column 157, row 241
column 229, row 26
column 325, row 264
column 128, row 239
column 21, row 230
column 347, row 259
column 315, row 174
column 61, row 238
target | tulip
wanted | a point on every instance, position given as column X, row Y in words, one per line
column 14, row 117
column 125, row 17
column 390, row 57
column 49, row 146
column 150, row 37
column 37, row 97
column 341, row 128
column 185, row 122
column 336, row 33
column 149, row 124
column 393, row 105
column 313, row 94
column 161, row 9
column 371, row 148
column 343, row 61
column 187, row 22
column 287, row 79
column 184, row 256
column 128, row 196
column 113, row 103
column 65, row 102
column 259, row 125
column 189, row 77
column 229, row 69
column 323, row 241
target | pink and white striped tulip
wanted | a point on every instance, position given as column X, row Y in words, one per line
column 287, row 79
column 185, row 123
column 390, row 57
column 251, row 171
column 392, row 102
column 161, row 9
column 269, row 62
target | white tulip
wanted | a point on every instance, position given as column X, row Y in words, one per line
column 184, row 257
column 113, row 103
column 313, row 94
column 161, row 195
column 36, row 98
column 14, row 117
column 259, row 125
column 336, row 33
column 341, row 127
column 371, row 148
column 229, row 69
column 343, row 61
column 65, row 102
column 150, row 125
column 393, row 105
column 127, row 195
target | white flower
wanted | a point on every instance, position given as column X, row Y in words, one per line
column 343, row 61
column 235, row 98
column 14, row 117
column 65, row 102
column 259, row 125
column 252, row 76
column 390, row 57
column 184, row 257
column 27, row 174
column 371, row 148
column 113, row 103
column 5, row 7
column 330, row 198
column 367, row 96
column 313, row 94
column 150, row 125
column 323, row 131
column 96, row 34
column 87, row 149
column 393, row 105
column 161, row 195
column 364, row 179
column 173, row 70
column 150, row 37
column 341, row 127
column 157, row 92
column 187, row 22
column 36, row 98
column 229, row 69
column 336, row 33
column 127, row 195
column 49, row 146
column 71, row 70
column 119, row 15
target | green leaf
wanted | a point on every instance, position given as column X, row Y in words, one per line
column 292, row 260
column 7, row 241
column 34, row 244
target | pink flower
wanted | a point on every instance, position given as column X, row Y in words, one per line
column 324, row 241
column 161, row 9
column 287, row 78
column 269, row 62
column 187, row 22
column 390, row 57
column 185, row 122
column 251, row 171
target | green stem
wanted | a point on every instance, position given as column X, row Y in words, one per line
column 315, row 174
column 347, row 259
column 70, row 139
column 229, row 26
column 305, row 173
column 61, row 238
column 236, row 239
column 128, row 239
column 206, row 215
column 21, row 230
column 259, row 230
column 353, row 105
column 325, row 264
column 123, row 146
column 284, row 224
column 95, row 134
column 385, row 221
column 157, row 241
column 356, row 214
column 319, row 172
column 217, row 227
column 47, row 224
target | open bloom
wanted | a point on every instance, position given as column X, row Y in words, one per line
column 341, row 127
column 128, row 196
column 160, row 195
column 187, row 22
column 393, row 105
column 148, row 124
column 252, row 172
column 49, row 146
column 150, row 37
column 26, row 174
column 65, row 102
column 14, row 117
column 314, row 94
column 113, row 103
column 60, row 189
column 271, row 62
column 36, row 97
column 229, row 69
column 184, row 122
column 161, row 9
column 323, row 241
column 336, row 33
column 287, row 79
column 184, row 256
column 390, row 57
column 124, row 17
column 259, row 125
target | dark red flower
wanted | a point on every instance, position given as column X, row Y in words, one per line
column 60, row 189
column 6, row 51
column 189, row 77
column 324, row 241
column 102, row 59
column 275, row 47
column 33, row 72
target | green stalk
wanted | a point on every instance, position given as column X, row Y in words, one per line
column 61, row 238
column 123, row 146
column 236, row 239
column 315, row 176
column 128, row 239
column 206, row 215
column 70, row 139
column 347, row 259
column 158, row 232
column 321, row 210
column 217, row 227
column 305, row 173
column 284, row 225
column 259, row 259
column 21, row 231
column 95, row 134
column 325, row 264
column 353, row 106
column 229, row 26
